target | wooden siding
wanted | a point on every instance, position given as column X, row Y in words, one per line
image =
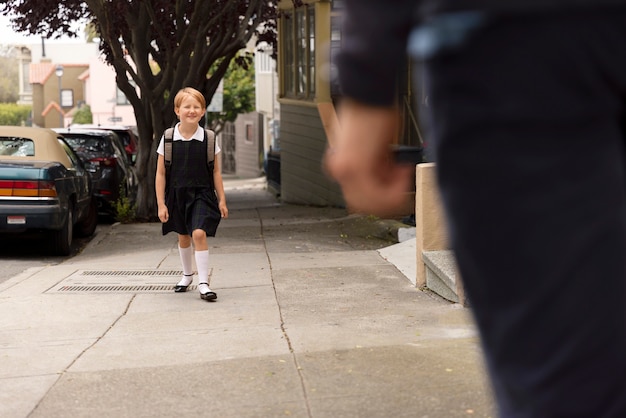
column 303, row 143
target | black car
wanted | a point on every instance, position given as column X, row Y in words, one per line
column 111, row 170
column 44, row 188
column 126, row 133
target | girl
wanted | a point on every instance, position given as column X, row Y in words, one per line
column 191, row 201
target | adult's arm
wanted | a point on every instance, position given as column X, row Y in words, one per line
column 373, row 51
column 373, row 48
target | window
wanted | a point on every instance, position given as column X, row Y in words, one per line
column 19, row 147
column 298, row 37
column 70, row 153
column 249, row 133
column 337, row 5
column 289, row 62
column 264, row 62
column 26, row 86
column 67, row 98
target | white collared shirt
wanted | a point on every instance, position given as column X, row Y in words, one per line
column 198, row 136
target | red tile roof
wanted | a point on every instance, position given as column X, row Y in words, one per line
column 42, row 71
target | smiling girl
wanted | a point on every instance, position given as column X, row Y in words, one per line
column 191, row 201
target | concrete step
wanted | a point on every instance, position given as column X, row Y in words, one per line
column 441, row 274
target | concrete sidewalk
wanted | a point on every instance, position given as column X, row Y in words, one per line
column 310, row 321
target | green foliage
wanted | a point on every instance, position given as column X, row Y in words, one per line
column 9, row 79
column 238, row 95
column 83, row 115
column 125, row 210
column 14, row 114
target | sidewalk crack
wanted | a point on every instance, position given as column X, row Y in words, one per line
column 282, row 321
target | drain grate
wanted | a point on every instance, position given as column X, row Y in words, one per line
column 110, row 288
column 120, row 281
column 131, row 273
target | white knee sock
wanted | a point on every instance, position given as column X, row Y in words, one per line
column 186, row 260
column 202, row 263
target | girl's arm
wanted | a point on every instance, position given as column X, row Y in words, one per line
column 219, row 187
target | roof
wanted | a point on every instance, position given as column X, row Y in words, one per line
column 47, row 147
column 70, row 131
column 52, row 105
column 40, row 72
column 106, row 127
column 84, row 75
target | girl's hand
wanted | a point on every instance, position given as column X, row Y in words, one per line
column 223, row 209
column 164, row 214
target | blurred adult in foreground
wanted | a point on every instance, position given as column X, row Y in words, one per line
column 526, row 109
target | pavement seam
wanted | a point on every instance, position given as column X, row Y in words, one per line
column 69, row 366
column 282, row 321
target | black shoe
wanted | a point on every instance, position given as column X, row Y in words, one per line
column 179, row 288
column 208, row 296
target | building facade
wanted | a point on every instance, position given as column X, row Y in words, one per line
column 57, row 79
column 305, row 41
column 309, row 37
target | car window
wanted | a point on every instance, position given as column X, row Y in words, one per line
column 119, row 148
column 124, row 137
column 70, row 153
column 16, row 146
column 87, row 144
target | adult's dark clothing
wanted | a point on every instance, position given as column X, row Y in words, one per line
column 375, row 35
column 190, row 190
column 527, row 115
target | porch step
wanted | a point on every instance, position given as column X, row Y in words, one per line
column 441, row 274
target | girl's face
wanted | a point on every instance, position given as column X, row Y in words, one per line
column 190, row 110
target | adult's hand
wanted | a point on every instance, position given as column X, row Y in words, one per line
column 360, row 159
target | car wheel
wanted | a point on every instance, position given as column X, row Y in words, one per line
column 61, row 240
column 87, row 226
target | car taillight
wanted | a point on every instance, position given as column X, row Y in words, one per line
column 28, row 188
column 105, row 161
column 47, row 189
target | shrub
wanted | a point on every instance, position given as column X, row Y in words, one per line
column 125, row 210
column 83, row 115
column 14, row 115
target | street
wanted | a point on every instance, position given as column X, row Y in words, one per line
column 20, row 253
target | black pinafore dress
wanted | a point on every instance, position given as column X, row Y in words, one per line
column 190, row 190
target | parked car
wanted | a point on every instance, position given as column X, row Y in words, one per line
column 103, row 154
column 44, row 188
column 126, row 133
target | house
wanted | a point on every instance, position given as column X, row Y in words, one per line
column 57, row 89
column 309, row 34
column 56, row 79
column 109, row 106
